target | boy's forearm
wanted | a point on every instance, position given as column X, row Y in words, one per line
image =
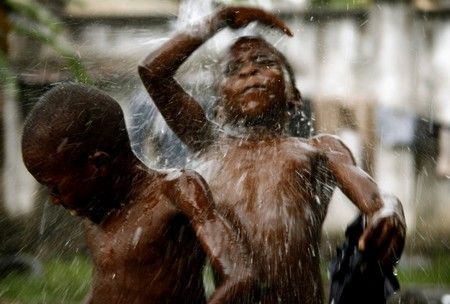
column 230, row 259
column 227, row 252
column 359, row 187
column 232, row 291
column 356, row 184
column 165, row 61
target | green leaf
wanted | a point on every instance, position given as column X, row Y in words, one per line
column 37, row 13
column 34, row 21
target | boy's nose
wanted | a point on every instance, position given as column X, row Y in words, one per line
column 248, row 70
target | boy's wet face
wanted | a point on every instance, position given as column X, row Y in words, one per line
column 72, row 185
column 253, row 84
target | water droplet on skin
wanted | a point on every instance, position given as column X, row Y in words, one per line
column 173, row 174
column 137, row 236
column 316, row 197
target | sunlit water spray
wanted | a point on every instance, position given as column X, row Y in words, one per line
column 197, row 75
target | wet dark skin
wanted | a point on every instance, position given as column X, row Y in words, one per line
column 275, row 189
column 148, row 232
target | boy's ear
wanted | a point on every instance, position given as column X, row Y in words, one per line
column 219, row 114
column 295, row 102
column 101, row 163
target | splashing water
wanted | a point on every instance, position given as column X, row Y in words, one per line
column 146, row 124
column 192, row 11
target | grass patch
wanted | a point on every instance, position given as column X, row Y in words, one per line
column 433, row 270
column 63, row 281
column 68, row 280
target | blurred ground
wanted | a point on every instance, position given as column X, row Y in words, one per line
column 67, row 280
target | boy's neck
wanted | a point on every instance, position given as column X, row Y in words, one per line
column 129, row 175
column 257, row 131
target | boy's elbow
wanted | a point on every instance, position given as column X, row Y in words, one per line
column 149, row 79
column 144, row 72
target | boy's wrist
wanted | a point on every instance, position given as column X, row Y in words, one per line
column 391, row 207
column 207, row 27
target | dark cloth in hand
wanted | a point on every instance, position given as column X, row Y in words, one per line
column 358, row 277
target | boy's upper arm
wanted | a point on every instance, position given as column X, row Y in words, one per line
column 228, row 255
column 334, row 149
column 182, row 112
column 356, row 184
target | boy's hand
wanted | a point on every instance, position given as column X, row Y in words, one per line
column 384, row 236
column 238, row 17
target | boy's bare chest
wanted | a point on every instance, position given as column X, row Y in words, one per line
column 133, row 236
column 265, row 162
column 267, row 190
column 263, row 173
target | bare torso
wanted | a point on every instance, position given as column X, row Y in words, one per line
column 270, row 190
column 146, row 253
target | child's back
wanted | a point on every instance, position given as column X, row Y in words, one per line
column 147, row 251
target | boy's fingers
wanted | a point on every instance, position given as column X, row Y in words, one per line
column 398, row 245
column 367, row 234
column 370, row 234
column 385, row 240
column 242, row 16
column 273, row 21
column 393, row 252
column 388, row 231
column 282, row 26
column 386, row 243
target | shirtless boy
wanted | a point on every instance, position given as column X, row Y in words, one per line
column 148, row 232
column 275, row 189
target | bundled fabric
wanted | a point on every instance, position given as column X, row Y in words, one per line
column 358, row 277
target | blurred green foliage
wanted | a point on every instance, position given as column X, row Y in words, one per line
column 340, row 4
column 435, row 271
column 63, row 281
column 35, row 21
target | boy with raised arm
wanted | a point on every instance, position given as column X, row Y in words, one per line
column 275, row 189
column 148, row 232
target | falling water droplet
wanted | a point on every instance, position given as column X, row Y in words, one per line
column 43, row 218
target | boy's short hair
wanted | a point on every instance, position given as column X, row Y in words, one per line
column 78, row 116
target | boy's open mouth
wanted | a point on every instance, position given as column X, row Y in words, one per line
column 254, row 88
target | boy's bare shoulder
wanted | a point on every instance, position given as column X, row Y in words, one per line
column 331, row 144
column 189, row 192
column 326, row 140
column 182, row 177
column 185, row 182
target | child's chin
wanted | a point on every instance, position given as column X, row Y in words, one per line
column 253, row 109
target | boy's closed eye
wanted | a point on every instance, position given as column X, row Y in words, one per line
column 232, row 67
column 54, row 191
column 264, row 61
